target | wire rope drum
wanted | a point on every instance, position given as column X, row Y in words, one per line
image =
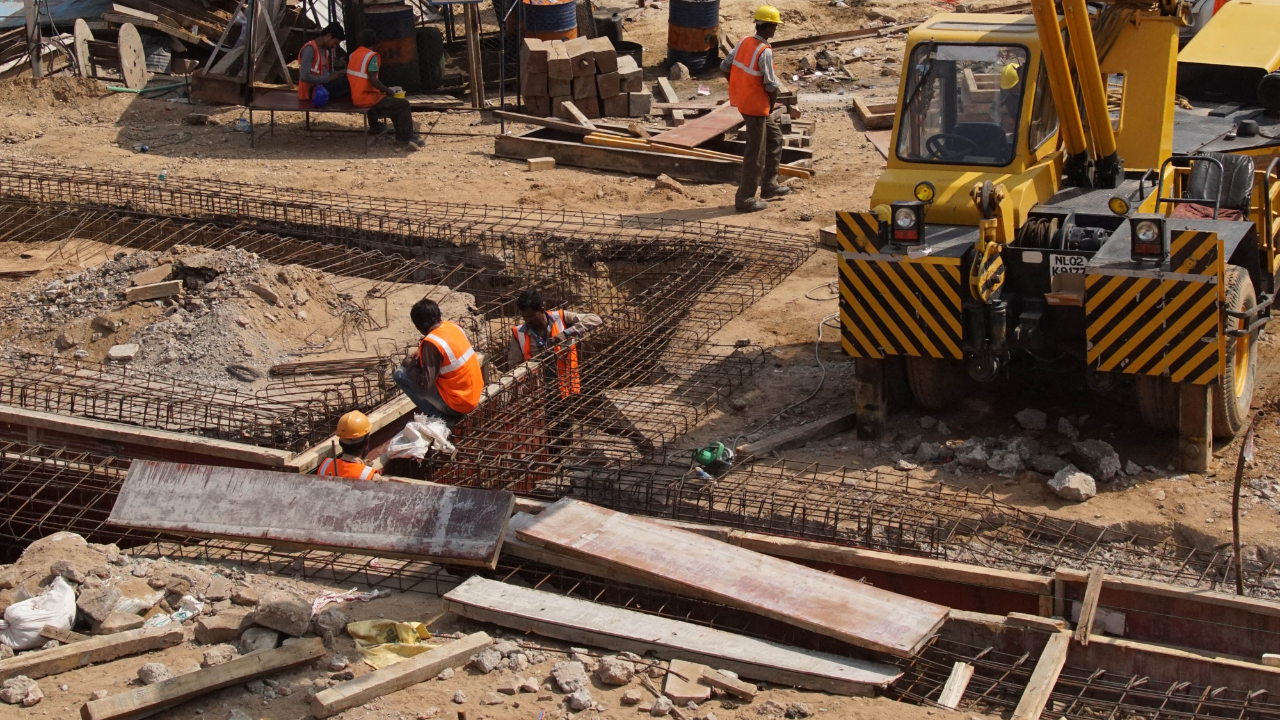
column 693, row 32
column 397, row 44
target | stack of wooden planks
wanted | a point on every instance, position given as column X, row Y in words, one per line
column 582, row 76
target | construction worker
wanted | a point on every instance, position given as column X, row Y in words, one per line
column 368, row 92
column 318, row 63
column 353, row 437
column 542, row 330
column 753, row 89
column 443, row 378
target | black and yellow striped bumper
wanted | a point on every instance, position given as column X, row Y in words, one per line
column 1143, row 322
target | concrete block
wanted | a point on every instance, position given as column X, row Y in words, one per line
column 542, row 163
column 224, row 627
column 605, row 56
column 123, row 353
column 616, row 106
column 153, row 291
column 533, row 55
column 608, row 84
column 532, row 83
column 827, row 236
column 152, row 276
column 639, row 103
column 584, row 87
column 118, row 622
column 559, row 88
column 537, row 106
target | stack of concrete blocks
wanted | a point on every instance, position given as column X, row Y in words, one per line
column 586, row 72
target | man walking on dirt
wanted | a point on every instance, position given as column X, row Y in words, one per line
column 368, row 92
column 753, row 89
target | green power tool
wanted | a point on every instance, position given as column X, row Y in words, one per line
column 715, row 459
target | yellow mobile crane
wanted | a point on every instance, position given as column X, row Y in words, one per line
column 1010, row 228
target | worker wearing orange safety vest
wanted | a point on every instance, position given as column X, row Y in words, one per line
column 317, row 62
column 369, row 93
column 353, row 437
column 753, row 89
column 542, row 330
column 444, row 378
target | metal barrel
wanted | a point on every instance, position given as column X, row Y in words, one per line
column 693, row 28
column 551, row 19
column 397, row 45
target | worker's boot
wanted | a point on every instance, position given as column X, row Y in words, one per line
column 752, row 205
column 777, row 192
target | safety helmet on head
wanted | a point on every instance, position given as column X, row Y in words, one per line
column 767, row 13
column 1009, row 77
column 354, row 426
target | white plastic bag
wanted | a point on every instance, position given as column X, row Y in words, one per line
column 420, row 437
column 23, row 621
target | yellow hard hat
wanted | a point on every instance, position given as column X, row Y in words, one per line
column 1009, row 76
column 354, row 425
column 769, row 14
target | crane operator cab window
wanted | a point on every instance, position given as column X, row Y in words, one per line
column 962, row 104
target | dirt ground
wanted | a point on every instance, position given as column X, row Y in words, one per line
column 288, row 694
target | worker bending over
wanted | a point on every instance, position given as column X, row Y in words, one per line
column 443, row 378
column 368, row 92
column 542, row 330
column 753, row 89
column 353, row 437
column 318, row 63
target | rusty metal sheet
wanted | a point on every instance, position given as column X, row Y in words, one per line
column 692, row 564
column 462, row 526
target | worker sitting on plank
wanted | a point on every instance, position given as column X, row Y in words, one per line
column 542, row 330
column 753, row 89
column 318, row 63
column 353, row 436
column 368, row 92
column 558, row 330
column 443, row 378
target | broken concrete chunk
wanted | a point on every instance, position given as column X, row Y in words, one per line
column 678, row 72
column 662, row 706
column 68, row 570
column 223, row 627
column 284, row 611
column 265, row 293
column 613, row 670
column 632, row 697
column 460, row 697
column 338, row 662
column 492, row 699
column 1005, row 462
column 154, row 672
column 217, row 655
column 1132, row 468
column 972, row 455
column 20, row 690
column 486, row 661
column 97, row 602
column 244, row 596
column 1031, row 419
column 105, row 325
column 64, row 342
column 152, row 276
column 529, row 685
column 330, row 623
column 1096, row 457
column 1047, row 464
column 123, row 353
column 570, row 676
column 1067, row 429
column 257, row 639
column 155, row 291
column 580, row 700
column 118, row 622
column 445, row 674
column 506, row 648
column 666, row 182
column 219, row 588
column 1071, row 484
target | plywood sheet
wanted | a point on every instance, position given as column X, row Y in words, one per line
column 588, row 623
column 432, row 522
column 689, row 563
column 699, row 130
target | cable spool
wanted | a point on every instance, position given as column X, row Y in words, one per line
column 126, row 55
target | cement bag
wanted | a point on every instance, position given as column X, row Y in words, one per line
column 420, row 437
column 23, row 621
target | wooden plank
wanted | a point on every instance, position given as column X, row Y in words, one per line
column 666, row 92
column 61, row 635
column 578, row 116
column 686, row 562
column 842, row 35
column 158, row 26
column 699, row 130
column 731, row 685
column 880, row 140
column 1043, row 678
column 631, row 162
column 580, row 621
column 874, row 115
column 957, row 682
column 399, row 676
column 1089, row 608
column 438, row 523
column 794, row 437
column 1209, row 597
column 151, row 699
column 129, row 434
column 1035, row 622
column 103, row 648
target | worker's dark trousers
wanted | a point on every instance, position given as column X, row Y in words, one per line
column 338, row 88
column 397, row 109
column 760, row 163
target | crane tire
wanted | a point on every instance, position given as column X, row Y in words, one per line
column 1234, row 392
column 937, row 384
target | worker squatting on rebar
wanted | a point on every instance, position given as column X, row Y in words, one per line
column 443, row 379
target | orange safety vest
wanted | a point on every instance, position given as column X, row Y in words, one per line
column 363, row 94
column 337, row 467
column 460, row 381
column 746, row 79
column 566, row 362
column 319, row 66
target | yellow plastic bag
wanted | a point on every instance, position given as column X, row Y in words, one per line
column 387, row 642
